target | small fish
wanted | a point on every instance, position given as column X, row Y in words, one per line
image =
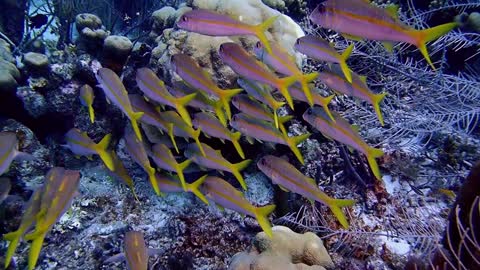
column 320, row 49
column 335, row 79
column 189, row 70
column 115, row 92
column 181, row 129
column 214, row 160
column 170, row 184
column 318, row 99
column 5, row 186
column 38, row 21
column 86, row 98
column 448, row 192
column 281, row 61
column 361, row 19
column 80, row 144
column 211, row 126
column 343, row 132
column 265, row 131
column 210, row 23
column 163, row 157
column 9, row 151
column 137, row 151
column 225, row 195
column 288, row 177
column 155, row 89
column 135, row 252
column 120, row 172
column 263, row 94
column 245, row 65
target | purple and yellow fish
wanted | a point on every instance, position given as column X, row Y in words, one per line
column 342, row 131
column 318, row 99
column 86, row 98
column 265, row 131
column 361, row 19
column 189, row 70
column 81, row 145
column 155, row 89
column 9, row 151
column 164, row 159
column 117, row 94
column 335, row 79
column 288, row 177
column 320, row 49
column 137, row 151
column 211, row 126
column 120, row 172
column 170, row 184
column 282, row 62
column 135, row 252
column 214, row 24
column 225, row 195
column 214, row 160
column 245, row 65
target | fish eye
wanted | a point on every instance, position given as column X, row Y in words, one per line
column 298, row 41
column 263, row 162
column 310, row 111
column 258, row 45
column 221, row 48
column 184, row 18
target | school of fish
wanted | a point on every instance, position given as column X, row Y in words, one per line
column 198, row 106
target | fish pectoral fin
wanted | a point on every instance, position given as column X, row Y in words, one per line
column 115, row 258
column 249, row 139
column 283, row 188
column 392, row 10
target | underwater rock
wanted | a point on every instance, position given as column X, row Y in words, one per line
column 163, row 18
column 116, row 50
column 9, row 75
column 285, row 250
column 36, row 62
column 5, row 51
column 91, row 30
column 87, row 20
column 33, row 102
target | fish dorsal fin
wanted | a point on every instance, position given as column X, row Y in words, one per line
column 392, row 10
column 388, row 46
column 355, row 128
column 311, row 181
column 218, row 152
column 363, row 79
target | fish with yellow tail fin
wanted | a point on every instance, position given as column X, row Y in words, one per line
column 116, row 93
column 281, row 61
column 335, row 79
column 343, row 132
column 189, row 70
column 265, row 131
column 318, row 99
column 245, row 65
column 135, row 252
column 360, row 18
column 86, row 98
column 214, row 24
column 225, row 195
column 155, row 89
column 215, row 160
column 211, row 126
column 170, row 184
column 80, row 144
column 120, row 172
column 320, row 49
column 164, row 159
column 137, row 151
column 288, row 177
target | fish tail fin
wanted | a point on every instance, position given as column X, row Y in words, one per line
column 283, row 85
column 324, row 102
column 305, row 79
column 196, row 137
column 275, row 118
column 335, row 206
column 235, row 137
column 276, row 105
column 376, row 105
column 281, row 121
column 172, row 136
column 373, row 153
column 134, row 121
column 14, row 238
column 261, row 214
column 153, row 180
column 218, row 108
column 292, row 142
column 424, row 36
column 343, row 63
column 226, row 96
column 180, row 167
column 180, row 104
column 35, row 248
column 106, row 156
column 91, row 113
column 195, row 188
column 236, row 168
column 260, row 29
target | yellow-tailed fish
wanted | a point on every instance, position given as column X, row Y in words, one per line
column 265, row 131
column 117, row 94
column 86, row 98
column 164, row 159
column 282, row 62
column 318, row 99
column 214, row 160
column 80, row 144
column 360, row 18
column 120, row 172
column 137, row 151
column 288, row 177
column 9, row 151
column 225, row 195
column 155, row 89
column 342, row 131
column 211, row 126
column 170, row 184
column 214, row 24
column 245, row 65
